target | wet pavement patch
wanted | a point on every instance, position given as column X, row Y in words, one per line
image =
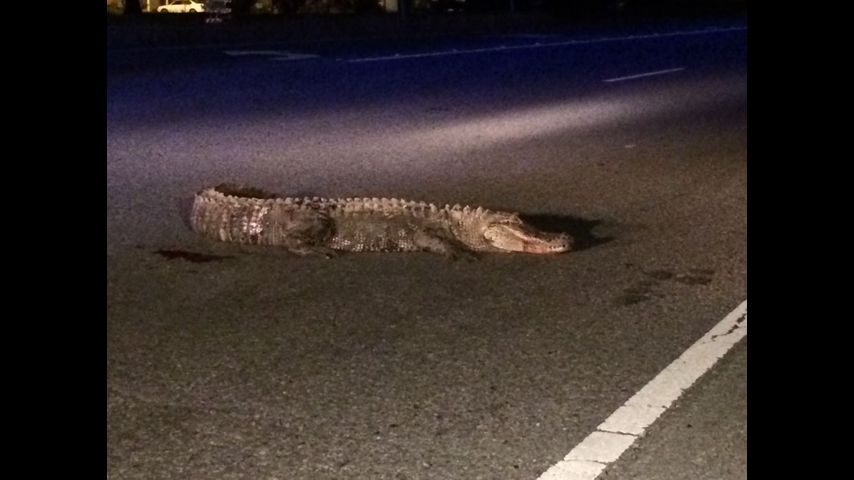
column 641, row 292
column 644, row 290
column 191, row 256
column 694, row 279
column 659, row 274
column 632, row 297
column 695, row 276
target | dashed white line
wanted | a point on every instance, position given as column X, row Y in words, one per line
column 294, row 56
column 642, row 75
column 276, row 55
column 544, row 45
column 244, row 53
column 619, row 431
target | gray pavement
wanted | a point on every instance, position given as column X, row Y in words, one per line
column 238, row 362
column 709, row 425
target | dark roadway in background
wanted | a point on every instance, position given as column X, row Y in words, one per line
column 252, row 363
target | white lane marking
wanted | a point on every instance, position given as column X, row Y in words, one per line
column 294, row 56
column 619, row 431
column 544, row 45
column 242, row 53
column 642, row 75
column 277, row 55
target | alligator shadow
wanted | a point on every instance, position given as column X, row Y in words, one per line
column 580, row 229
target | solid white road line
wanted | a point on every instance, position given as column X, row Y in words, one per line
column 648, row 74
column 619, row 431
column 546, row 44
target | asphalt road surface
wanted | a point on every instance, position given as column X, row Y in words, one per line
column 229, row 362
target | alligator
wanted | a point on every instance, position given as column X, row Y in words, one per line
column 315, row 225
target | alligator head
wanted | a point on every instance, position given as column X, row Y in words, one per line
column 497, row 231
column 511, row 234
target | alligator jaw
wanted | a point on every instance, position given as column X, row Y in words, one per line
column 520, row 238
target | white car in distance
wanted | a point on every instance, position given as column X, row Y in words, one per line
column 182, row 6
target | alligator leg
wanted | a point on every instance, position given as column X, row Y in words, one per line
column 301, row 232
column 304, row 250
column 436, row 242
